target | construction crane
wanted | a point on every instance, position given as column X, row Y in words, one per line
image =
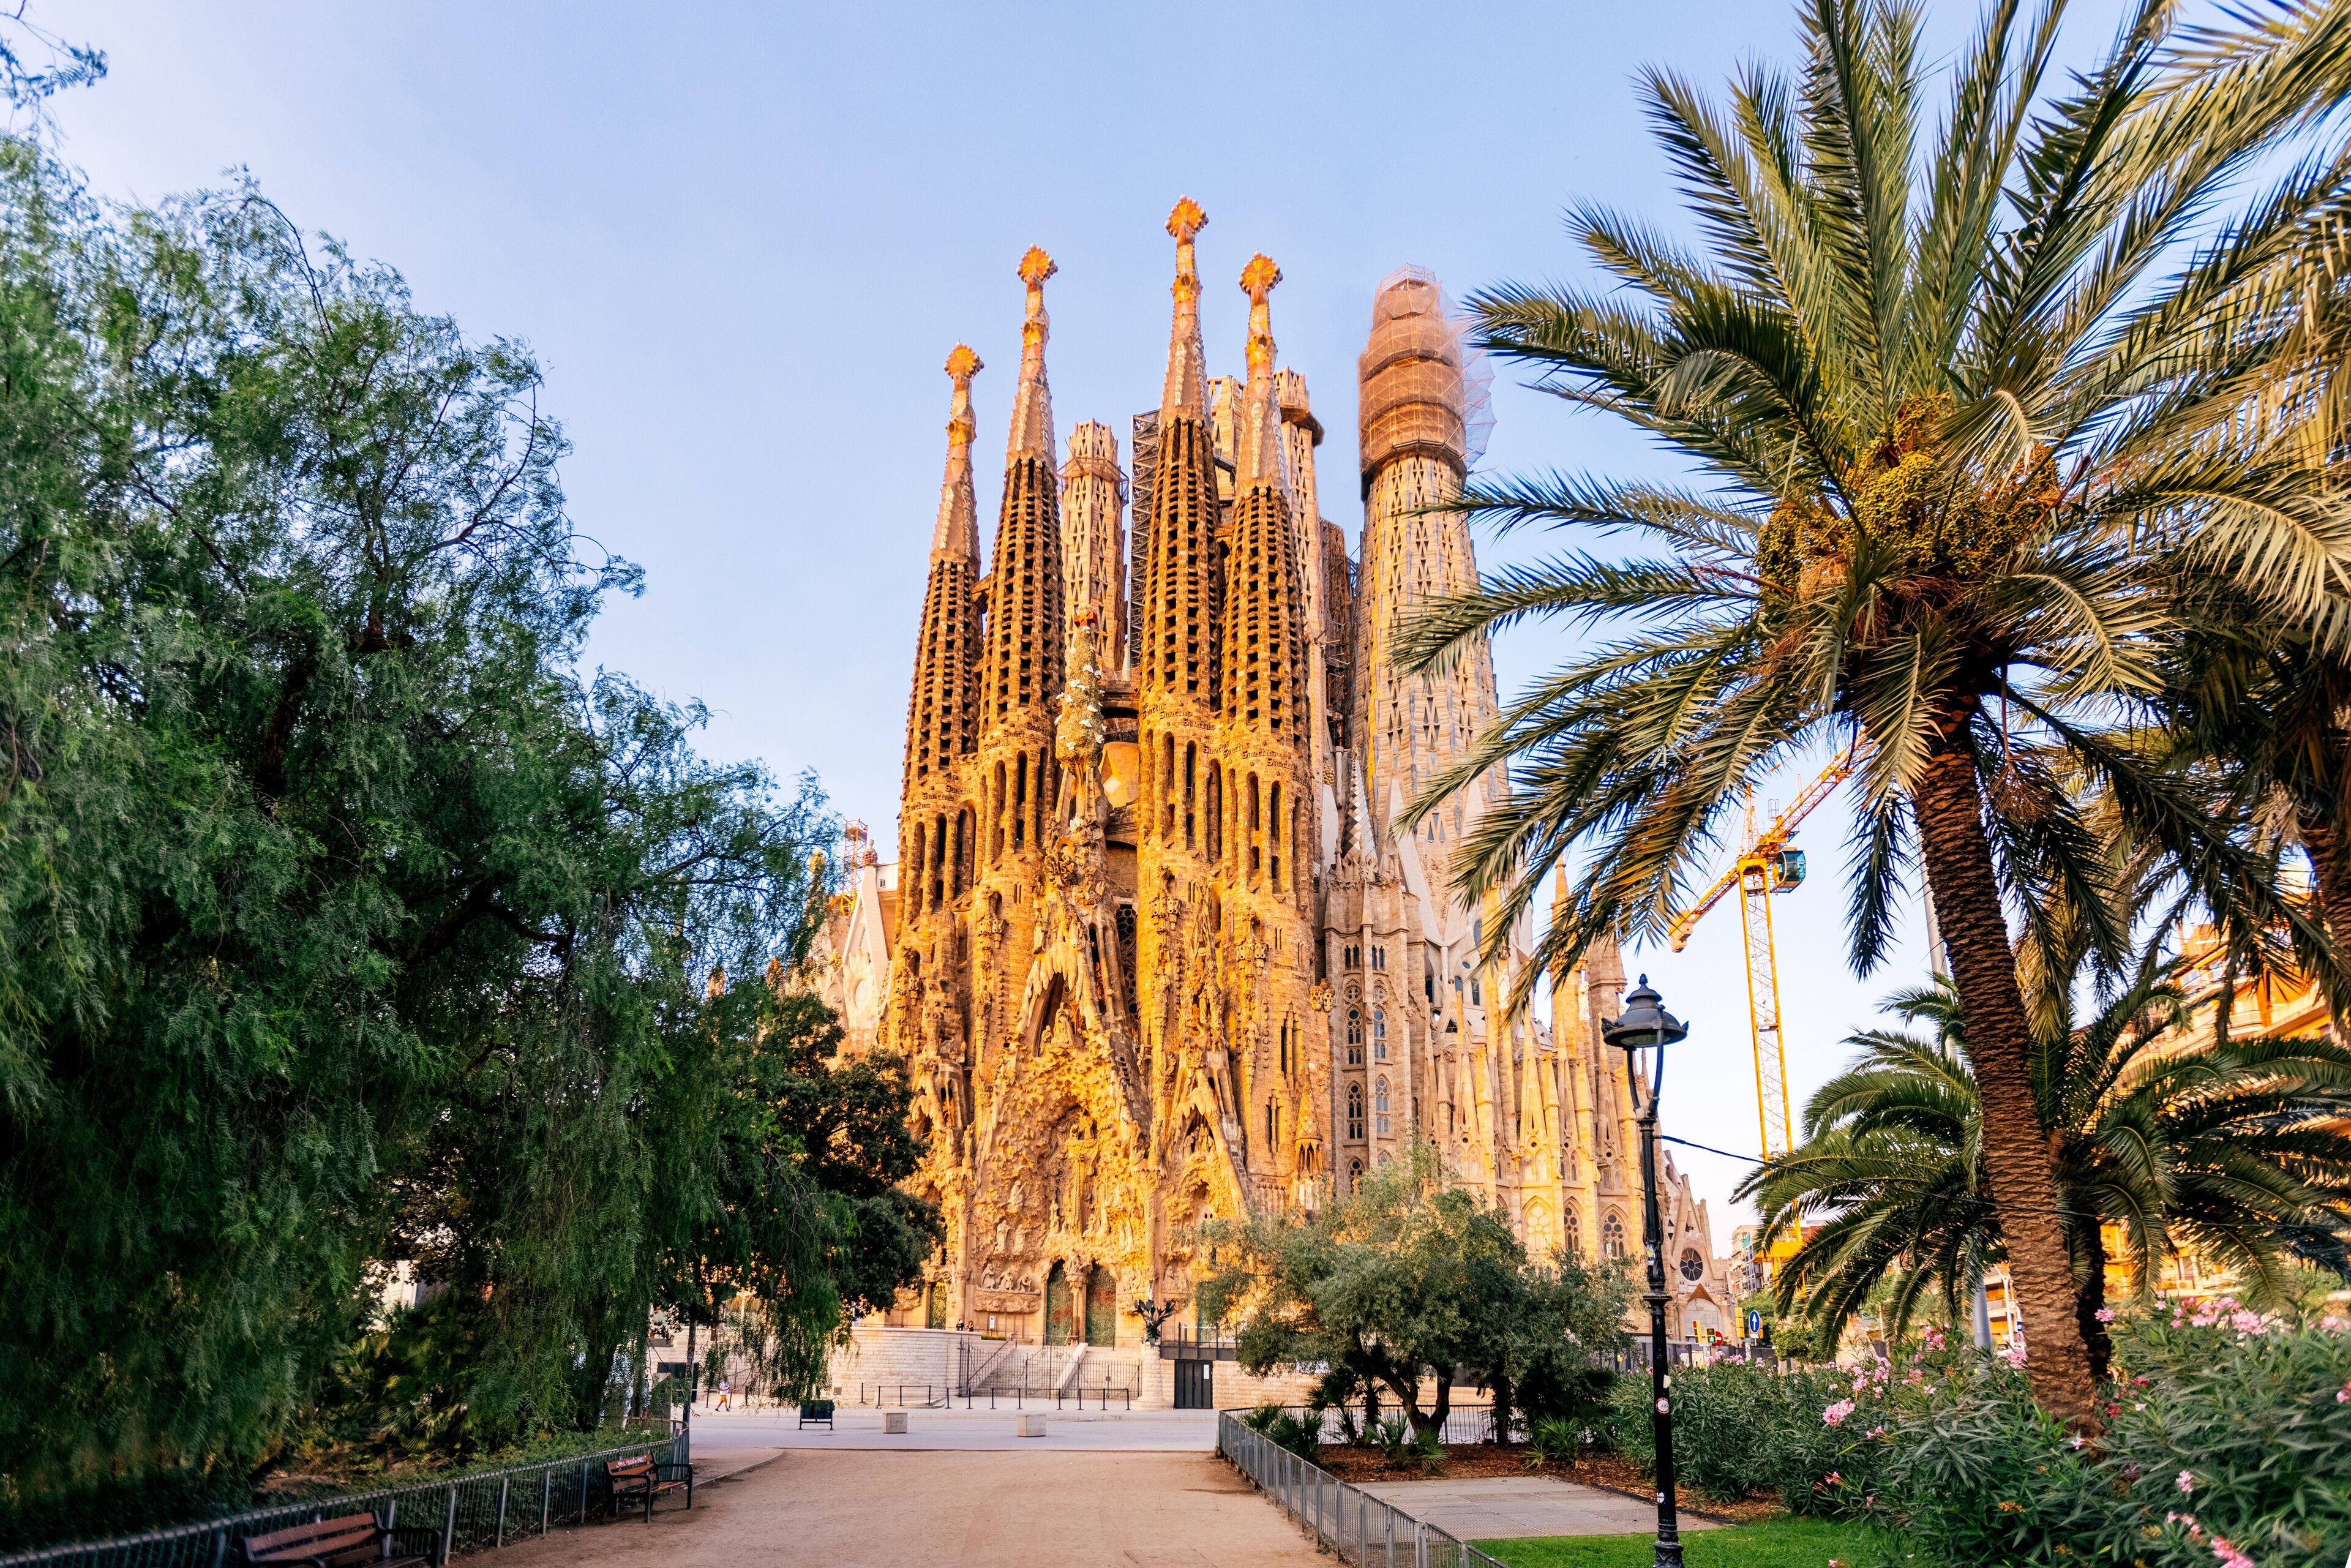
column 1767, row 864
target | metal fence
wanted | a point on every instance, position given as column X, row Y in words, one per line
column 1355, row 1526
column 473, row 1514
column 1463, row 1423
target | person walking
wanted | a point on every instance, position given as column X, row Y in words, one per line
column 723, row 1395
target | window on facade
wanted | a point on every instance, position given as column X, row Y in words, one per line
column 1379, row 1034
column 1272, row 1125
column 1354, row 1038
column 1612, row 1238
column 1574, row 1222
column 1477, row 993
column 1355, row 1112
column 1380, row 1108
column 1428, row 983
column 1379, row 958
column 1693, row 1266
column 1354, row 1175
column 1352, row 955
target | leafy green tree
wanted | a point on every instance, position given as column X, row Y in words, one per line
column 1408, row 1278
column 345, row 922
column 2238, row 1152
column 1958, row 388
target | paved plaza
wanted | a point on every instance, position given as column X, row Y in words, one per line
column 974, row 1509
column 974, row 1430
column 1508, row 1507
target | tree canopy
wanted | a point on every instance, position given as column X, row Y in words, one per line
column 344, row 920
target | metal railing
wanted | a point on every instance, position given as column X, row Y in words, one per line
column 1463, row 1424
column 476, row 1513
column 1355, row 1526
column 1016, row 1396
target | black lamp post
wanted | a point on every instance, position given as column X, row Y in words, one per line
column 1645, row 1025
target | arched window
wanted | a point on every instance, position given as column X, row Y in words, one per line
column 1355, row 1037
column 1272, row 1125
column 1574, row 1222
column 1612, row 1238
column 1380, row 1107
column 1355, row 1112
column 1354, row 1175
column 1693, row 1266
column 1379, row 1034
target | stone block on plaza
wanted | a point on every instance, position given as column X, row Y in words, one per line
column 894, row 1420
column 1029, row 1424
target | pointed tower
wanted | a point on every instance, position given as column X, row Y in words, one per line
column 1262, row 841
column 1415, row 442
column 1094, row 542
column 1021, row 666
column 937, row 828
column 943, row 715
column 1175, row 685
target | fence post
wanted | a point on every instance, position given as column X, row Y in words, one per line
column 583, row 1496
column 1419, row 1544
column 449, row 1525
column 545, row 1497
column 1391, row 1508
column 504, row 1481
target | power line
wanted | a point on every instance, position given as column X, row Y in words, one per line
column 1710, row 1149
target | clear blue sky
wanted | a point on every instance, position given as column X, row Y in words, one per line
column 743, row 237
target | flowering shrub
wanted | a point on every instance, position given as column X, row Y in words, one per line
column 1805, row 1436
column 2225, row 1445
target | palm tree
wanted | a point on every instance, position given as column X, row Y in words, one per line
column 1948, row 396
column 2239, row 1152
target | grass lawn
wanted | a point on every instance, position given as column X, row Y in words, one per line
column 1772, row 1543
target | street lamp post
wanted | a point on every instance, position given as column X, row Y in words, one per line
column 1645, row 1025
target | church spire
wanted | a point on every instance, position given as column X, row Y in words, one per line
column 957, row 533
column 1032, row 400
column 1185, row 389
column 1022, row 664
column 1177, row 605
column 1259, row 459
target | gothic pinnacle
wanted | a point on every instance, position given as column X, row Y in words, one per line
column 1186, row 391
column 957, row 533
column 1032, row 401
column 1259, row 460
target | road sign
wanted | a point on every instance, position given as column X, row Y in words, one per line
column 1754, row 1323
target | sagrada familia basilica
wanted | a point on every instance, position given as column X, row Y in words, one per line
column 1155, row 948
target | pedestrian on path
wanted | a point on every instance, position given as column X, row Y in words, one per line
column 723, row 1405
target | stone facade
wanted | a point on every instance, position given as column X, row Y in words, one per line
column 1156, row 950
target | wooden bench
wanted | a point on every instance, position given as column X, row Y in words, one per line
column 640, row 1480
column 354, row 1540
column 817, row 1410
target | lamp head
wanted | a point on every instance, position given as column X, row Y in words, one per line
column 1644, row 1022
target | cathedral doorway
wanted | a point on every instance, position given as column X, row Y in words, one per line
column 1059, row 1321
column 1101, row 1307
column 935, row 1315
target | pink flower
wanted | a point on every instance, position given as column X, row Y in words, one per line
column 1880, row 1431
column 2077, row 1440
column 2186, row 1482
column 1835, row 1414
column 2228, row 1556
column 2246, row 1322
column 2343, row 1395
column 2106, row 1314
column 2334, row 1324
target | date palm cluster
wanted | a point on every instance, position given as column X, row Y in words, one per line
column 2012, row 436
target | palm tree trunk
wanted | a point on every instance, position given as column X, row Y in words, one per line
column 2327, row 864
column 2016, row 1152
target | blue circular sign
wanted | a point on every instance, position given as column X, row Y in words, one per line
column 1754, row 1323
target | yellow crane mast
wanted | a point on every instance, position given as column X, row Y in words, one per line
column 1766, row 865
